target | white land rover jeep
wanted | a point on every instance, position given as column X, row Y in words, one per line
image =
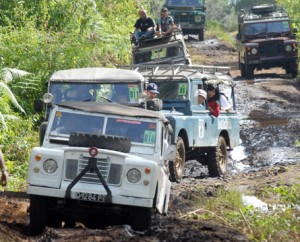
column 99, row 162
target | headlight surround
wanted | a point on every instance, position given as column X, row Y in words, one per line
column 288, row 48
column 48, row 97
column 50, row 166
column 134, row 175
column 254, row 51
column 198, row 18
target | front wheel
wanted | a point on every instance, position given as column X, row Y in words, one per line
column 201, row 35
column 37, row 215
column 176, row 167
column 141, row 218
column 293, row 69
column 218, row 159
column 249, row 71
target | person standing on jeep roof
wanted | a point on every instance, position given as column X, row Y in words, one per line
column 4, row 175
column 151, row 91
column 165, row 23
column 213, row 103
column 144, row 27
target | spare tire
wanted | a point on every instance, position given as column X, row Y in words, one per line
column 109, row 142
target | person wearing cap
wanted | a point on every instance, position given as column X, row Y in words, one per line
column 165, row 23
column 4, row 173
column 144, row 27
column 151, row 91
column 213, row 100
column 201, row 95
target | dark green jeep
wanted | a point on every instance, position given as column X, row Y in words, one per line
column 189, row 14
column 265, row 40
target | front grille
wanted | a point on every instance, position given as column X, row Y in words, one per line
column 111, row 173
column 187, row 18
column 269, row 49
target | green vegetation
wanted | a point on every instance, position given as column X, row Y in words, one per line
column 41, row 37
column 280, row 222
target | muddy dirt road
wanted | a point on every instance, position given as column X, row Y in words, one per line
column 269, row 109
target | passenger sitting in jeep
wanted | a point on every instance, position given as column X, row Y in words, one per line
column 144, row 27
column 213, row 102
column 165, row 23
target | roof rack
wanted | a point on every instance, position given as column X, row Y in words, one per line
column 263, row 11
column 175, row 69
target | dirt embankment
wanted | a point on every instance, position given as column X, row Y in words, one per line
column 270, row 122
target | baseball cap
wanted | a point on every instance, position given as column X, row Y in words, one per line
column 164, row 9
column 201, row 92
column 152, row 87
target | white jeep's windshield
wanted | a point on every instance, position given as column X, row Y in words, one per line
column 136, row 130
column 194, row 3
column 88, row 92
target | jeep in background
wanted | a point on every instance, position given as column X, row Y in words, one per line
column 91, row 84
column 189, row 15
column 169, row 49
column 265, row 40
column 100, row 165
column 198, row 134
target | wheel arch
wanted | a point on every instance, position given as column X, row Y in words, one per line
column 225, row 135
column 183, row 134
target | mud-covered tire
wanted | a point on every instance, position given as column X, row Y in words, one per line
column 218, row 159
column 54, row 219
column 242, row 69
column 176, row 167
column 141, row 218
column 109, row 142
column 249, row 71
column 201, row 35
column 37, row 215
column 293, row 69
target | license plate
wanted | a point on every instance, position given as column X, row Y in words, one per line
column 89, row 197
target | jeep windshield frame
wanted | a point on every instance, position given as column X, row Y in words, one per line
column 139, row 130
column 265, row 28
column 96, row 85
column 168, row 53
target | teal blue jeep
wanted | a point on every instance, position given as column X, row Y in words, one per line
column 197, row 134
column 189, row 14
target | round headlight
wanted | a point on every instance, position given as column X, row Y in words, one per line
column 134, row 175
column 288, row 48
column 50, row 166
column 254, row 51
column 198, row 18
column 48, row 97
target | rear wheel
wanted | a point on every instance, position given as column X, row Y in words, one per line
column 176, row 167
column 218, row 159
column 37, row 215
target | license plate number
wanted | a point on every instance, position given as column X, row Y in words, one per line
column 90, row 197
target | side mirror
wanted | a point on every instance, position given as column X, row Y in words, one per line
column 170, row 153
column 238, row 36
column 295, row 30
